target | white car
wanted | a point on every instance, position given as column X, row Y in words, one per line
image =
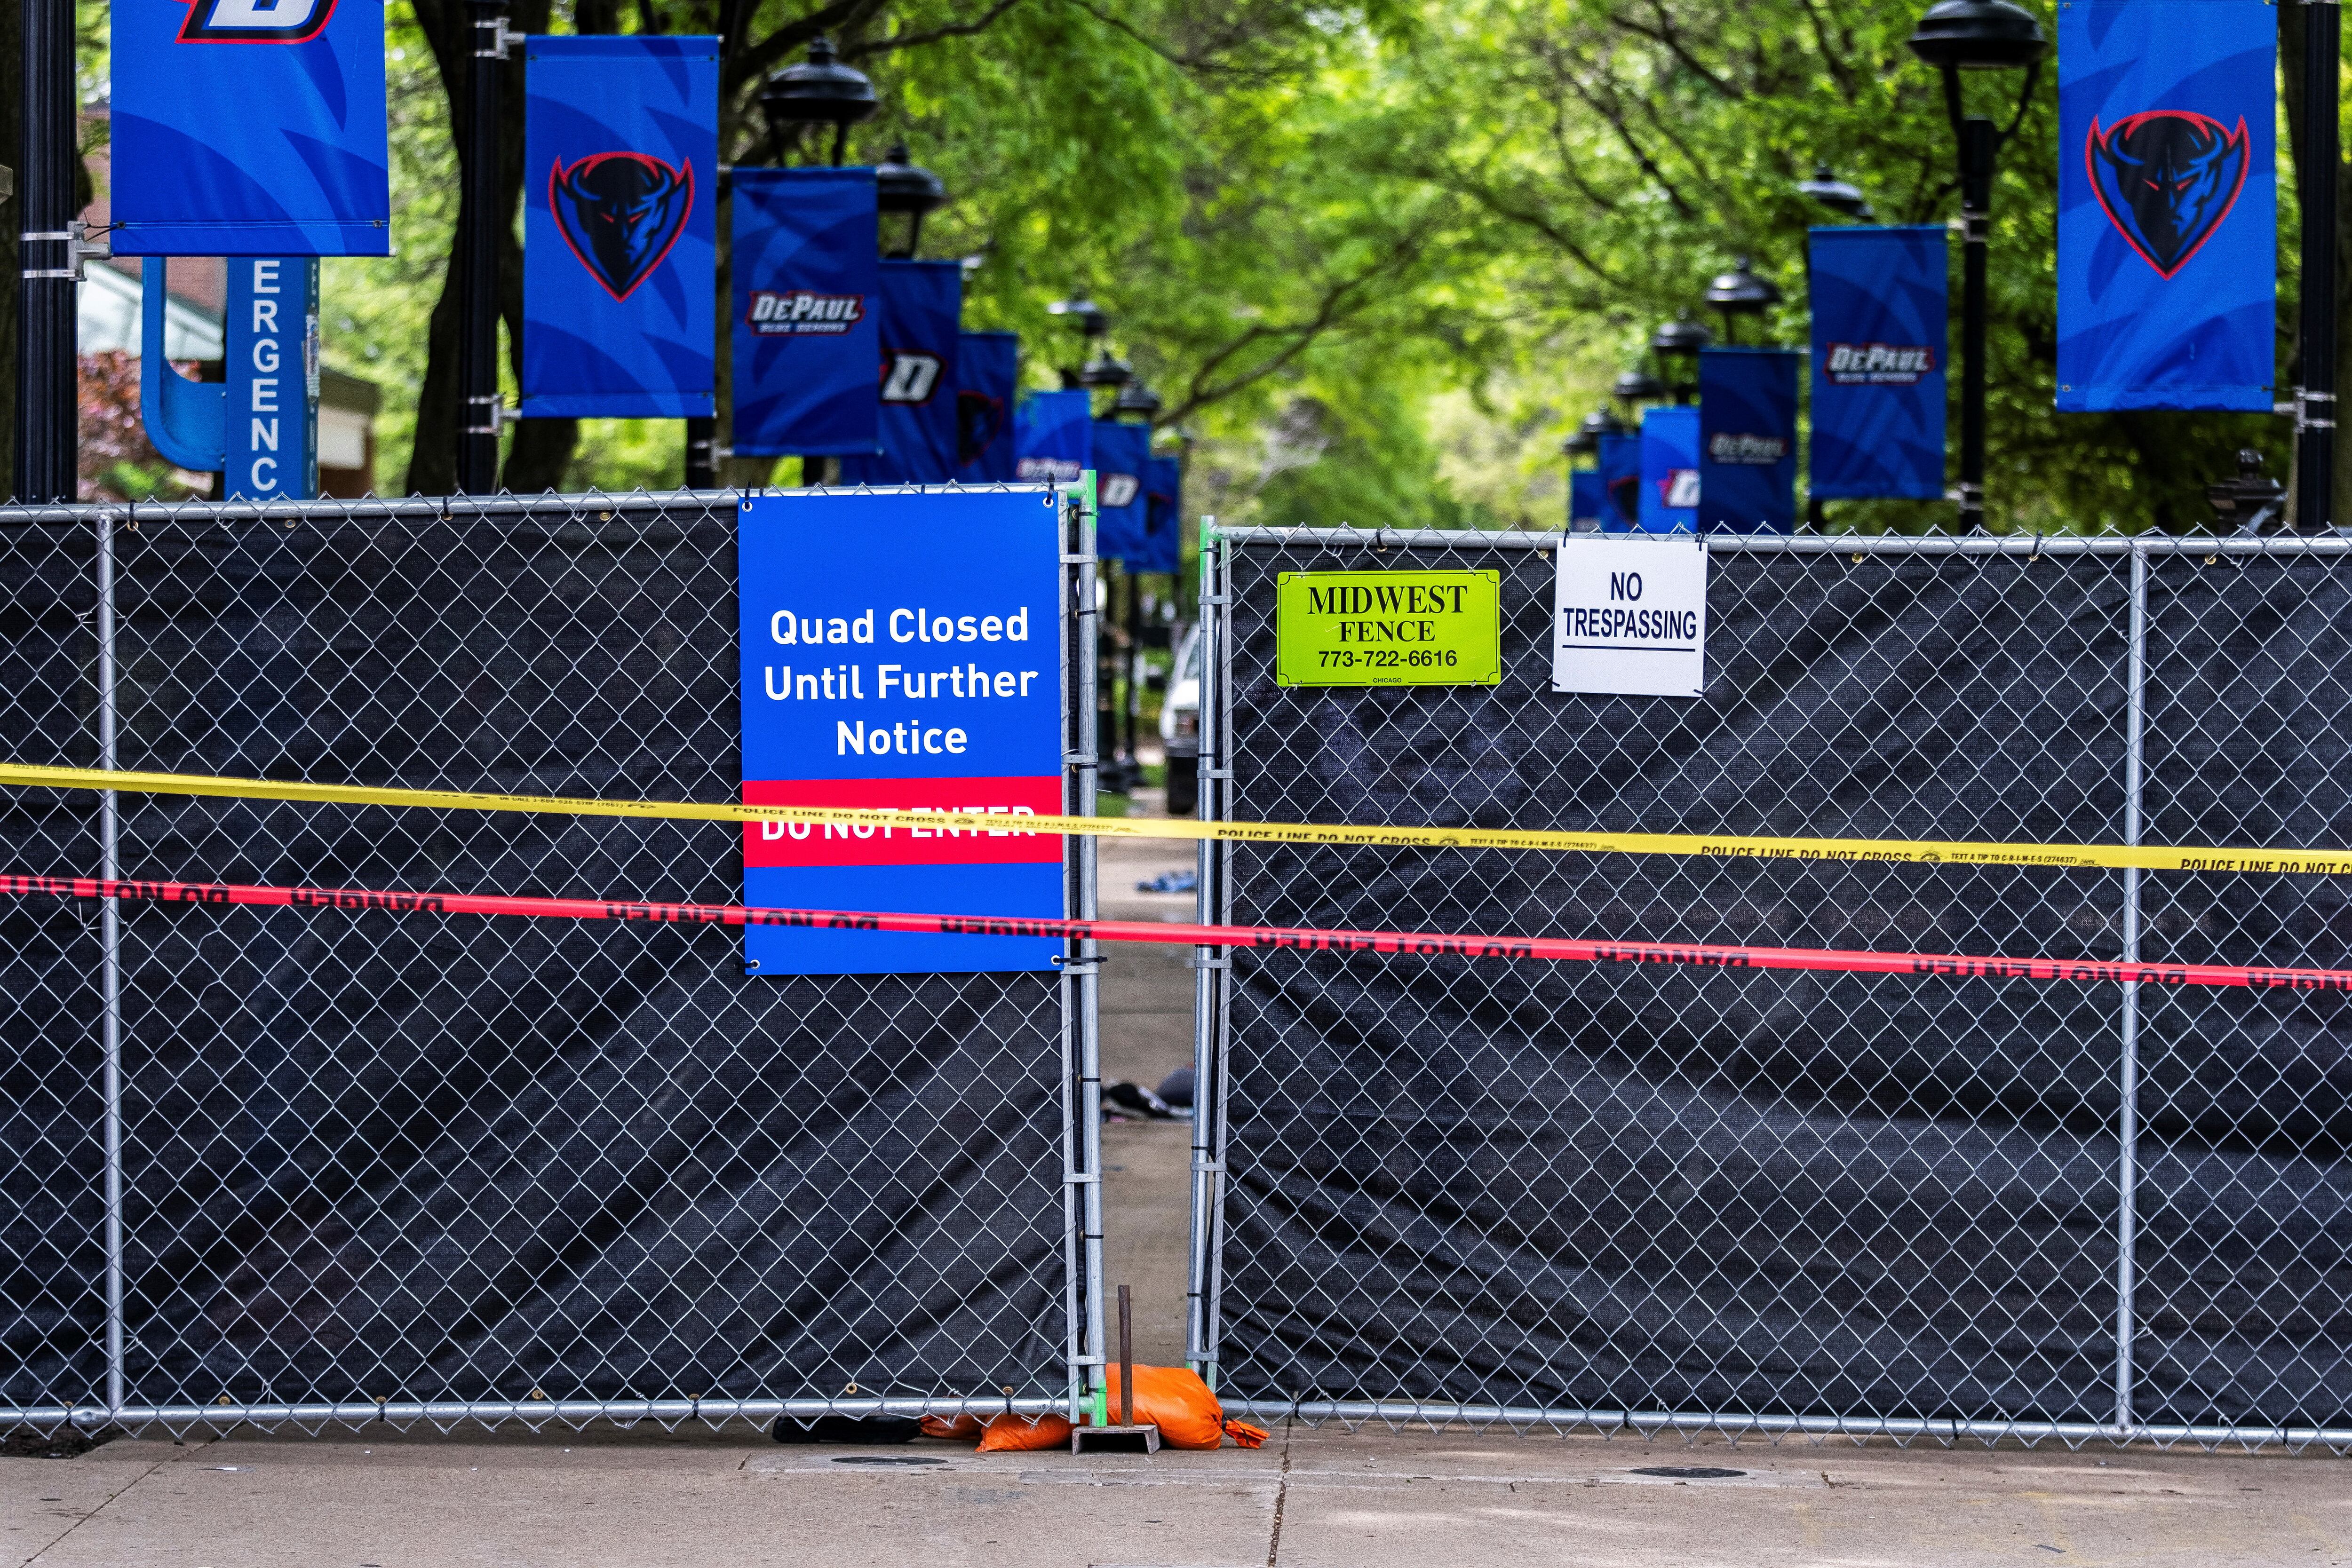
column 1180, row 726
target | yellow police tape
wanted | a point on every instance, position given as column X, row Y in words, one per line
column 1740, row 846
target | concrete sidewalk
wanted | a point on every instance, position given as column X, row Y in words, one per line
column 1310, row 1499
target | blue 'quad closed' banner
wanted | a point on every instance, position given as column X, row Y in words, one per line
column 250, row 128
column 1747, row 440
column 1163, row 517
column 619, row 231
column 1880, row 302
column 807, row 332
column 987, row 374
column 1122, row 456
column 1669, row 470
column 926, row 680
column 1053, row 436
column 921, row 302
column 2168, row 203
column 1621, row 483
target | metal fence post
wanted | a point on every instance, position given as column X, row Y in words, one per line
column 110, row 936
column 1089, row 962
column 1207, row 964
column 2127, row 1068
column 1217, row 907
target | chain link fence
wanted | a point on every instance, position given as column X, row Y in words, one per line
column 303, row 1166
column 1672, row 1197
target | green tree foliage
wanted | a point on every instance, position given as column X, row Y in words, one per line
column 1378, row 256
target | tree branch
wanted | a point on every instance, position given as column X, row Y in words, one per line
column 932, row 35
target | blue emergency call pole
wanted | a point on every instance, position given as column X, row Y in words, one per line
column 258, row 428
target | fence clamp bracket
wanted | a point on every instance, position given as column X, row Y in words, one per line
column 491, row 406
column 1208, row 963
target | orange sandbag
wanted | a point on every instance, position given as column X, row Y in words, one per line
column 966, row 1426
column 1019, row 1434
column 1174, row 1399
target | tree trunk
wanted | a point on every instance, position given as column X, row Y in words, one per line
column 2291, row 57
column 449, row 28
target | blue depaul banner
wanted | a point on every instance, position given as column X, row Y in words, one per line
column 919, row 680
column 807, row 332
column 1122, row 460
column 620, row 197
column 1163, row 519
column 1585, row 496
column 1881, row 303
column 1621, row 482
column 1053, row 436
column 250, row 128
column 2168, row 203
column 988, row 374
column 1669, row 470
column 921, row 303
column 1747, row 440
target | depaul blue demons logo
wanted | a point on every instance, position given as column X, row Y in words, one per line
column 254, row 21
column 620, row 213
column 2167, row 180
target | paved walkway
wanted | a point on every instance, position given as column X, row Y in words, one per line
column 1310, row 1499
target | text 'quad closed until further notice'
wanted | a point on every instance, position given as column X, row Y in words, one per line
column 1629, row 617
column 902, row 651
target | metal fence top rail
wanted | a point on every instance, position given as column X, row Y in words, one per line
column 428, row 509
column 2337, row 543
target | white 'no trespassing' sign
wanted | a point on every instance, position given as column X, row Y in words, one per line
column 1629, row 617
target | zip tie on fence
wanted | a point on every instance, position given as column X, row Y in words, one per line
column 1704, row 956
column 944, row 823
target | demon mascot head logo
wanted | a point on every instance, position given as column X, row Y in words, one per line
column 2166, row 179
column 620, row 213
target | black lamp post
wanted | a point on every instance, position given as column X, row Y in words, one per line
column 901, row 185
column 1738, row 293
column 1677, row 345
column 1135, row 402
column 1958, row 35
column 1840, row 197
column 2314, row 403
column 820, row 90
column 477, row 343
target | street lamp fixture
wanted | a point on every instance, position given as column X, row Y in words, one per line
column 1084, row 314
column 1677, row 345
column 1638, row 385
column 1105, row 371
column 902, row 185
column 1957, row 36
column 1136, row 400
column 820, row 90
column 1841, row 196
column 1585, row 441
column 1737, row 293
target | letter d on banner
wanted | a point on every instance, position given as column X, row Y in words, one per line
column 2168, row 203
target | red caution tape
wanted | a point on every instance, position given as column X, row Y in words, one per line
column 1704, row 955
